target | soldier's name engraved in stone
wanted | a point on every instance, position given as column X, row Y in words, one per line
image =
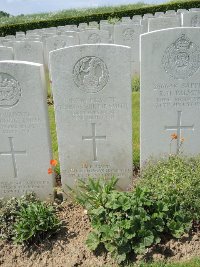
column 94, row 38
column 22, row 186
column 10, row 91
column 195, row 21
column 93, row 108
column 90, row 74
column 95, row 170
column 128, row 34
column 181, row 58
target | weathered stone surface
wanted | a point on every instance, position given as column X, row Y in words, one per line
column 129, row 35
column 106, row 26
column 163, row 23
column 25, row 152
column 92, row 96
column 191, row 19
column 94, row 36
column 6, row 53
column 57, row 42
column 28, row 51
column 170, row 92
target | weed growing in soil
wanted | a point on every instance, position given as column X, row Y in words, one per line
column 8, row 214
column 129, row 222
column 176, row 176
column 35, row 222
column 27, row 220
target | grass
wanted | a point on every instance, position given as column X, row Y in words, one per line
column 190, row 263
column 136, row 127
column 53, row 132
column 68, row 13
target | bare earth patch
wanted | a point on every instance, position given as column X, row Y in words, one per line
column 68, row 249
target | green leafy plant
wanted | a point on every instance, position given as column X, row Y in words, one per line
column 93, row 193
column 35, row 222
column 176, row 176
column 129, row 222
column 27, row 219
column 8, row 213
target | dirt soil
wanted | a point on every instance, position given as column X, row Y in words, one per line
column 67, row 248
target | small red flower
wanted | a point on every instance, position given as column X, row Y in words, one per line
column 174, row 136
column 53, row 162
column 50, row 171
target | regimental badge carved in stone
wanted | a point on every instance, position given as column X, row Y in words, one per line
column 182, row 58
column 128, row 34
column 90, row 74
column 59, row 44
column 10, row 91
column 28, row 48
column 195, row 21
column 94, row 38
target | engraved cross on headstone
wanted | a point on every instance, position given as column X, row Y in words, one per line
column 12, row 153
column 178, row 128
column 94, row 137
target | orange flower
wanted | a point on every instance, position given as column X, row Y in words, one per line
column 174, row 136
column 182, row 139
column 50, row 171
column 53, row 162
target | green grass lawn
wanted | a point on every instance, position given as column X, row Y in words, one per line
column 136, row 125
column 191, row 263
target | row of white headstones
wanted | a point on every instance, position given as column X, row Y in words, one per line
column 92, row 100
column 35, row 45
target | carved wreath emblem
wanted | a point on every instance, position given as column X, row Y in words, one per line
column 94, row 38
column 10, row 91
column 182, row 58
column 90, row 74
column 195, row 21
column 128, row 34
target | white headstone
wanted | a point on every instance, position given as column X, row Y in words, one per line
column 159, row 14
column 126, row 20
column 191, row 19
column 137, row 19
column 163, row 23
column 170, row 12
column 147, row 15
column 129, row 35
column 10, row 37
column 71, row 27
column 6, row 53
column 170, row 92
column 106, row 26
column 73, row 34
column 57, row 42
column 93, row 113
column 82, row 26
column 179, row 11
column 29, row 51
column 25, row 151
column 94, row 24
column 94, row 36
